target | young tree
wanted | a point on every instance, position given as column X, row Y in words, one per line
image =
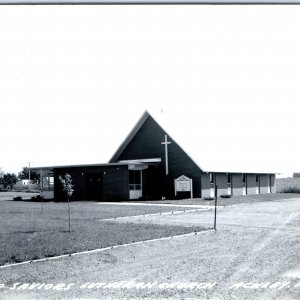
column 67, row 187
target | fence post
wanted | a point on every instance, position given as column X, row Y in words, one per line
column 216, row 201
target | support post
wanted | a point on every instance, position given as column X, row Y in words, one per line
column 29, row 177
column 41, row 189
column 216, row 202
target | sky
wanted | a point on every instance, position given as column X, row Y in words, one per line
column 75, row 79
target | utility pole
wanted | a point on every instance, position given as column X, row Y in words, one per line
column 29, row 175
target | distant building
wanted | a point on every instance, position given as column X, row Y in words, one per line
column 22, row 183
column 146, row 166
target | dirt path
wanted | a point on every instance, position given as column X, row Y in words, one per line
column 255, row 254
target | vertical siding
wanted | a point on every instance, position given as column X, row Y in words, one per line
column 237, row 184
column 264, row 183
column 222, row 183
column 251, row 184
column 273, row 183
column 206, row 185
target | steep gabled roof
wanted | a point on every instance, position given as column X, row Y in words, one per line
column 130, row 136
column 189, row 137
column 133, row 132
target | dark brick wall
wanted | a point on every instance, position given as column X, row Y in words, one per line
column 147, row 144
column 152, row 182
column 115, row 182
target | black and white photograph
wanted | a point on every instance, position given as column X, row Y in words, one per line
column 149, row 150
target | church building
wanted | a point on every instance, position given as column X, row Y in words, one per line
column 150, row 165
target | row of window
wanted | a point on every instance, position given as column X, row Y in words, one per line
column 212, row 177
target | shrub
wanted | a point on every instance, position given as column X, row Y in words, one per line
column 208, row 198
column 291, row 189
column 288, row 185
column 18, row 198
column 37, row 198
column 225, row 196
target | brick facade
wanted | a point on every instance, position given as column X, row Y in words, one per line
column 114, row 185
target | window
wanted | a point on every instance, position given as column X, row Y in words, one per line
column 228, row 178
column 135, row 180
column 244, row 177
column 211, row 177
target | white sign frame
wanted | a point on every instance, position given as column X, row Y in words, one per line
column 182, row 179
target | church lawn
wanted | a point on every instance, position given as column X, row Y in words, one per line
column 255, row 248
column 30, row 230
column 234, row 200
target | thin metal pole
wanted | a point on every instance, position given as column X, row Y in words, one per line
column 69, row 214
column 216, row 201
column 41, row 189
column 29, row 176
column 29, row 171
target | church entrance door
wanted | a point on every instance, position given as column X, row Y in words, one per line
column 94, row 186
column 135, row 184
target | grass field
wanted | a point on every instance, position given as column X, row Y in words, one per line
column 256, row 243
column 31, row 230
column 229, row 201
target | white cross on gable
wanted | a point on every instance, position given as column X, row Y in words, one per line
column 166, row 143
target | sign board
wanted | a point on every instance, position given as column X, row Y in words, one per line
column 183, row 184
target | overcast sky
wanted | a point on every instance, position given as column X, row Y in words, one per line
column 75, row 79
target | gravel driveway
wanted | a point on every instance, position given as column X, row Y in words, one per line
column 254, row 254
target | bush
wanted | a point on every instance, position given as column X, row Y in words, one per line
column 37, row 198
column 209, row 198
column 288, row 185
column 291, row 189
column 225, row 196
column 18, row 198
